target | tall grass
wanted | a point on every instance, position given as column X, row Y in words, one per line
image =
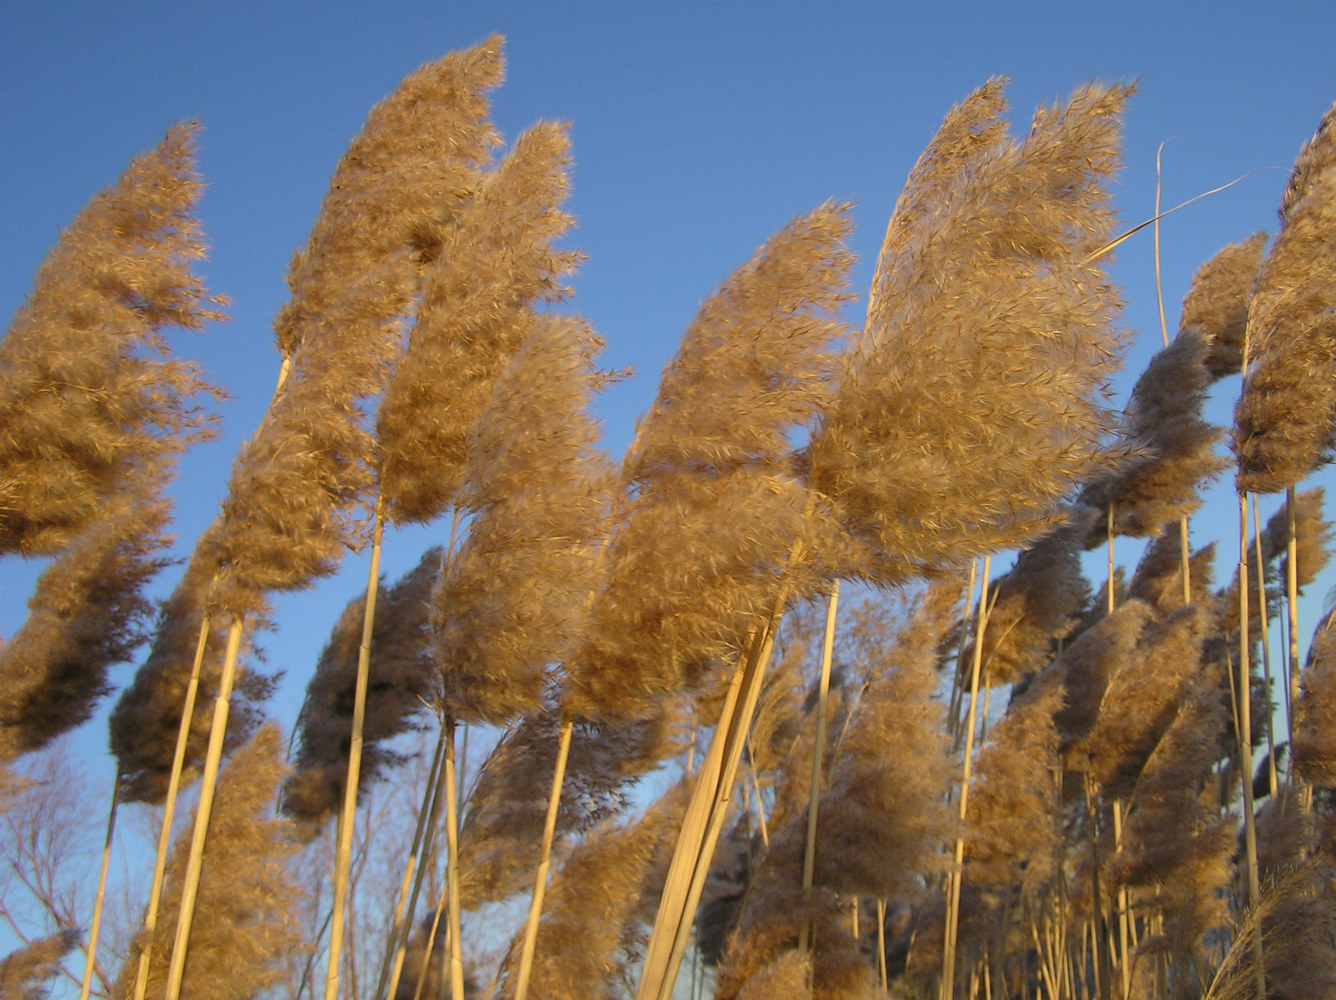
column 1038, row 791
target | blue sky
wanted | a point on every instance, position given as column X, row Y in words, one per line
column 699, row 129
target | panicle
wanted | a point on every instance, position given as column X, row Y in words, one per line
column 884, row 816
column 407, row 175
column 513, row 600
column 1038, row 601
column 1314, row 753
column 245, row 921
column 88, row 393
column 1285, row 420
column 975, row 399
column 1158, row 579
column 1143, row 696
column 1216, row 305
column 687, row 578
column 1087, row 665
column 24, row 972
column 1012, row 832
column 400, row 681
column 478, row 304
column 87, row 614
column 591, row 904
column 1163, row 422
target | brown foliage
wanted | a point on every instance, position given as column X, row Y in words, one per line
column 88, row 394
column 1216, row 305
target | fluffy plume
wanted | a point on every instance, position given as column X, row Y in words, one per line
column 1011, row 825
column 1175, row 845
column 1297, row 916
column 1087, row 665
column 1038, row 601
column 590, row 902
column 1216, row 305
column 1314, row 753
column 399, row 684
column 687, row 577
column 1286, row 416
column 87, row 614
column 147, row 717
column 1177, row 447
column 986, row 310
column 1158, row 579
column 476, row 310
column 513, row 600
column 24, row 973
column 245, row 920
column 774, row 915
column 884, row 817
column 502, row 831
column 88, row 394
column 1143, row 696
column 298, row 490
column 408, row 174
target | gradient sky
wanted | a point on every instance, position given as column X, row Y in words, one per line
column 699, row 129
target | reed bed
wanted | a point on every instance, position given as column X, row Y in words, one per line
column 624, row 696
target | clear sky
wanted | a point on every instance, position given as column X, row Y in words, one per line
column 699, row 129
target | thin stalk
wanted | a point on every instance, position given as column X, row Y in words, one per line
column 1124, row 932
column 208, row 785
column 957, row 869
column 1103, row 964
column 410, row 868
column 435, row 795
column 881, row 943
column 544, row 863
column 169, row 811
column 1292, row 612
column 1266, row 648
column 1112, row 602
column 343, row 856
column 95, row 925
column 452, row 863
column 814, row 792
column 1245, row 745
column 958, row 678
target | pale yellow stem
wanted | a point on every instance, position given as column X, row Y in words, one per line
column 814, row 791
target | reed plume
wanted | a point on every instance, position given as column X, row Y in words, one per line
column 1163, row 422
column 591, row 904
column 407, row 176
column 246, row 915
column 88, row 392
column 1286, row 415
column 686, row 578
column 884, row 815
column 1142, row 697
column 989, row 305
column 1087, row 665
column 24, row 972
column 513, row 599
column 502, row 828
column 145, row 722
column 1216, row 305
column 476, row 309
column 1314, row 750
column 1158, row 577
column 401, row 682
column 1038, row 601
column 87, row 613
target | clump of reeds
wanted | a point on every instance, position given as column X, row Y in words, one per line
column 88, row 393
